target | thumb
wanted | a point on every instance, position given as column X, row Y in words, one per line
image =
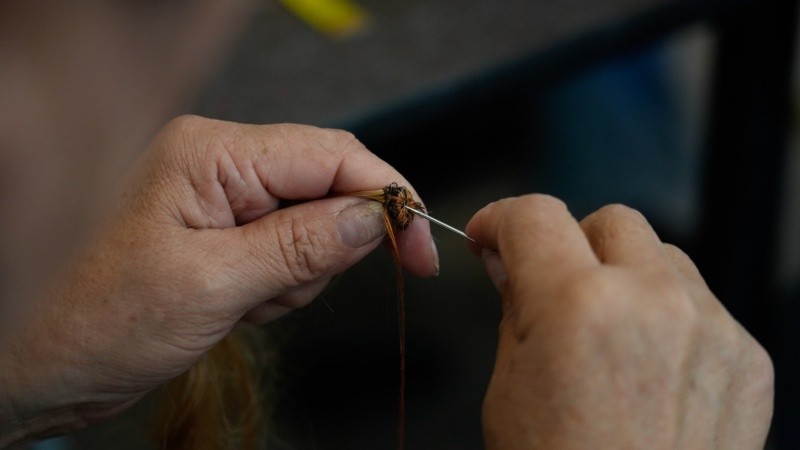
column 301, row 244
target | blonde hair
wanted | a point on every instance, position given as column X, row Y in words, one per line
column 219, row 402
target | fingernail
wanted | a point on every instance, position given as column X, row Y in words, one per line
column 360, row 224
column 435, row 257
column 494, row 267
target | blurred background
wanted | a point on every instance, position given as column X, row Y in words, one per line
column 682, row 109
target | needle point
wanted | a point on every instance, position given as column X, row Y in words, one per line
column 440, row 223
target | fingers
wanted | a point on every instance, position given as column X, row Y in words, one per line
column 297, row 246
column 208, row 174
column 418, row 250
column 308, row 162
column 621, row 236
column 302, row 162
column 539, row 241
column 290, row 161
column 249, row 169
column 627, row 313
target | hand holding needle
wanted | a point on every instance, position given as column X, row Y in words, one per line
column 439, row 222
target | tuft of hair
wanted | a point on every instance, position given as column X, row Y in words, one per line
column 218, row 403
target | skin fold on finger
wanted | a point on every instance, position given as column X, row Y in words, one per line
column 299, row 163
column 302, row 296
column 622, row 236
column 539, row 241
column 290, row 247
column 351, row 168
column 290, row 300
column 303, row 162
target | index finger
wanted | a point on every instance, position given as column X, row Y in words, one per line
column 299, row 162
column 539, row 241
column 302, row 161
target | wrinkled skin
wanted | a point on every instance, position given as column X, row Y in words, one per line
column 611, row 338
column 198, row 244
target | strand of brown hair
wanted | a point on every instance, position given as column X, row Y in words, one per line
column 401, row 327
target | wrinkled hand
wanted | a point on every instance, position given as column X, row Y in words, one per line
column 611, row 338
column 202, row 241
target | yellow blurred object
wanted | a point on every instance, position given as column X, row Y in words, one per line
column 336, row 18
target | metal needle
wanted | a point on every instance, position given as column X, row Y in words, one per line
column 439, row 222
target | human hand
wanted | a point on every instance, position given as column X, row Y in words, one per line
column 611, row 338
column 202, row 241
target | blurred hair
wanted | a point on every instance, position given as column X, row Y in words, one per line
column 219, row 402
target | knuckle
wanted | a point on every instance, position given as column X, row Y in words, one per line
column 302, row 254
column 543, row 202
column 616, row 213
column 610, row 297
column 617, row 210
column 338, row 133
column 532, row 209
column 343, row 140
column 675, row 253
column 344, row 136
column 185, row 123
column 762, row 367
column 327, row 140
column 186, row 136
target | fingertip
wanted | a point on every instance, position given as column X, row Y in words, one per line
column 418, row 251
column 476, row 228
column 619, row 234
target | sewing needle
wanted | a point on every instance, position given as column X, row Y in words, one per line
column 439, row 222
